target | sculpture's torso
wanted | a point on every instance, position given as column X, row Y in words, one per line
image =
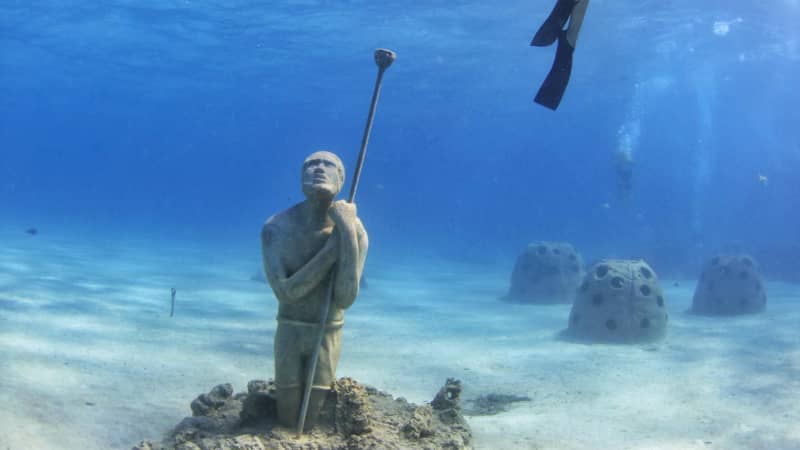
column 299, row 243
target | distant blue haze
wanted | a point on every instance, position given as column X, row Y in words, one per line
column 188, row 121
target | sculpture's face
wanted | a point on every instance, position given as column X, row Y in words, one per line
column 323, row 175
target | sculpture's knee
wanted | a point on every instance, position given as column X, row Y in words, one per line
column 315, row 404
column 288, row 402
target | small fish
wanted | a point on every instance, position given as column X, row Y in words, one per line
column 606, row 206
column 763, row 179
column 32, row 231
column 173, row 291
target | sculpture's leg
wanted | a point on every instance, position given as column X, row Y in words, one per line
column 325, row 375
column 288, row 401
column 315, row 404
column 289, row 373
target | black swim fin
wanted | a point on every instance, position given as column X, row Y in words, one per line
column 552, row 27
column 555, row 84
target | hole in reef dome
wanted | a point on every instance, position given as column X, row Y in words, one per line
column 601, row 271
column 617, row 282
column 743, row 275
column 646, row 272
column 747, row 261
column 660, row 301
column 644, row 289
column 556, row 251
column 541, row 249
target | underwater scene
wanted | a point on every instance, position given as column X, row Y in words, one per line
column 315, row 224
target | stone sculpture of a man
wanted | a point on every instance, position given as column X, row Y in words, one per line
column 301, row 248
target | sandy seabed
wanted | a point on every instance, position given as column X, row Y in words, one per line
column 90, row 359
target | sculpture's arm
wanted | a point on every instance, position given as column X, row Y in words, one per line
column 290, row 288
column 347, row 299
column 353, row 243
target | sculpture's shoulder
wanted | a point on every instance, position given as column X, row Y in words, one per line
column 280, row 224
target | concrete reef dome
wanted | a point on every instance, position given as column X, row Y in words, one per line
column 729, row 285
column 618, row 301
column 546, row 272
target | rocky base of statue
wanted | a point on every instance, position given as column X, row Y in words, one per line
column 355, row 417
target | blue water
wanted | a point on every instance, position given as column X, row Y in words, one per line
column 187, row 121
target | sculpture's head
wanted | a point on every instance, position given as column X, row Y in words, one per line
column 323, row 175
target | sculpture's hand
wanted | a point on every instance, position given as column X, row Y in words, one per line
column 343, row 213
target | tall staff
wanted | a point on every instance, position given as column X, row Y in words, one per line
column 383, row 58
